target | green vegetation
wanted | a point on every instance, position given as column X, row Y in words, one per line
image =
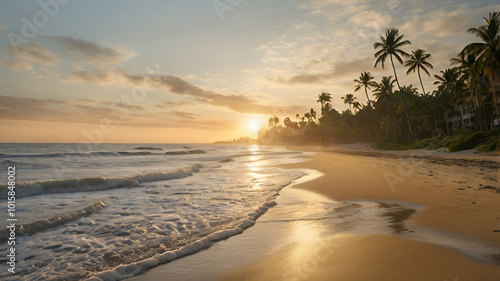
column 401, row 117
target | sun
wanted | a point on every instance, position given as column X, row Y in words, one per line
column 253, row 125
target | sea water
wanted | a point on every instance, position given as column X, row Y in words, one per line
column 113, row 210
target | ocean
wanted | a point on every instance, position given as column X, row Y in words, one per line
column 113, row 210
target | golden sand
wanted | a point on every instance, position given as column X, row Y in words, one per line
column 452, row 189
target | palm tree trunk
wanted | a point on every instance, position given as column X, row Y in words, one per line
column 373, row 114
column 485, row 118
column 367, row 98
column 420, row 78
column 394, row 117
column 348, row 130
column 403, row 99
column 493, row 78
column 446, row 121
column 477, row 113
column 395, row 74
column 394, row 130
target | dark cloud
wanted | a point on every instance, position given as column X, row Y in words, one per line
column 89, row 51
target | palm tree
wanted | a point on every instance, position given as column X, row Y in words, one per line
column 328, row 107
column 418, row 60
column 384, row 90
column 349, row 99
column 448, row 80
column 313, row 113
column 366, row 81
column 308, row 116
column 390, row 46
column 447, row 87
column 324, row 98
column 357, row 105
column 469, row 70
column 488, row 51
column 384, row 93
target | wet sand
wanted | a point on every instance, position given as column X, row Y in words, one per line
column 371, row 215
column 459, row 199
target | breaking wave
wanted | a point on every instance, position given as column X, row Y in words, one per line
column 95, row 183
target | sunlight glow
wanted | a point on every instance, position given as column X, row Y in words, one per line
column 254, row 124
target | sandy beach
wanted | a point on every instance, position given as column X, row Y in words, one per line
column 368, row 215
column 457, row 199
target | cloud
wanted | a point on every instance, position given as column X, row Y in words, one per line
column 339, row 71
column 29, row 109
column 2, row 27
column 183, row 115
column 333, row 9
column 94, row 76
column 171, row 104
column 17, row 65
column 374, row 20
column 37, row 53
column 449, row 21
column 92, row 111
column 238, row 103
column 89, row 51
column 175, row 85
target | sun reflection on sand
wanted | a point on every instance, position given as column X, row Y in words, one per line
column 305, row 237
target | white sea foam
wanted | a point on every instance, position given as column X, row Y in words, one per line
column 167, row 215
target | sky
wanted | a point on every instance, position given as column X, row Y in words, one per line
column 200, row 71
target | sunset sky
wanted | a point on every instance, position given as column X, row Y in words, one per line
column 200, row 71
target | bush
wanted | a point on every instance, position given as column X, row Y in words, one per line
column 468, row 142
column 489, row 144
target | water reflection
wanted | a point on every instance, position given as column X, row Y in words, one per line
column 255, row 174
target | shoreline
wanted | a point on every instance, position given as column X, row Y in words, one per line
column 436, row 181
column 433, row 245
column 268, row 235
column 446, row 185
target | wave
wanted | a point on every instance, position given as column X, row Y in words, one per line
column 184, row 152
column 94, row 184
column 24, row 164
column 43, row 224
column 133, row 269
column 104, row 153
column 147, row 148
column 77, row 154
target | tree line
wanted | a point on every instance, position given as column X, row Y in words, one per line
column 402, row 113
